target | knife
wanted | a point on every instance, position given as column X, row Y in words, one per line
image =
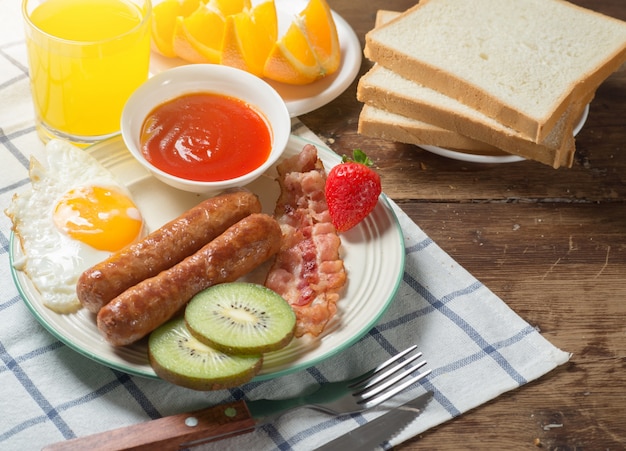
column 375, row 432
column 193, row 428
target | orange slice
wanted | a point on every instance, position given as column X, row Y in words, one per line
column 291, row 59
column 249, row 36
column 322, row 33
column 309, row 50
column 164, row 16
column 198, row 37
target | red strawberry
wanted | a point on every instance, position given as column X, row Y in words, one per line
column 352, row 190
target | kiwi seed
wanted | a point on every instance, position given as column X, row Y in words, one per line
column 177, row 357
column 241, row 318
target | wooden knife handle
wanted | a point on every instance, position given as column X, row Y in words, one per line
column 167, row 433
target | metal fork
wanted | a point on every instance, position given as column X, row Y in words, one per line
column 354, row 395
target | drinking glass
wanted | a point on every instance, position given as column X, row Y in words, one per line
column 85, row 59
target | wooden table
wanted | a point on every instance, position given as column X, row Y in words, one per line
column 551, row 243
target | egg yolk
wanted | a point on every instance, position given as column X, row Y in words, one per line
column 99, row 217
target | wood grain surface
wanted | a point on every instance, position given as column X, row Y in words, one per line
column 551, row 243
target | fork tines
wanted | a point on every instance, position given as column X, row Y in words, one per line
column 389, row 378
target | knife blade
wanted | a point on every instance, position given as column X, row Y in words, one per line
column 375, row 432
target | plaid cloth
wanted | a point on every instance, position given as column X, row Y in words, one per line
column 475, row 345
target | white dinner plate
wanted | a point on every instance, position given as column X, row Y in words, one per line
column 373, row 254
column 476, row 157
column 301, row 99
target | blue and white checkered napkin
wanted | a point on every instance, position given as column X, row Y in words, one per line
column 475, row 345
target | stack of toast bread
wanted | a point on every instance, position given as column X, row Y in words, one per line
column 488, row 76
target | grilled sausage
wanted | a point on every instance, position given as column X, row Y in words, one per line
column 142, row 308
column 164, row 247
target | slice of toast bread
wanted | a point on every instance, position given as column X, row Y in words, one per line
column 377, row 123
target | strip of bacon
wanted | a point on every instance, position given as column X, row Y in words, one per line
column 308, row 271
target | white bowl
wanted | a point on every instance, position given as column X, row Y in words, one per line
column 206, row 78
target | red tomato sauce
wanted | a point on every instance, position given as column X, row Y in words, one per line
column 205, row 137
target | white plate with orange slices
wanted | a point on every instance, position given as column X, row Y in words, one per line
column 300, row 98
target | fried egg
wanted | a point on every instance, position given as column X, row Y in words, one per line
column 74, row 215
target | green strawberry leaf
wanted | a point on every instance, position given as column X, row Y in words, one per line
column 358, row 156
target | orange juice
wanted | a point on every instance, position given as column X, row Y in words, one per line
column 85, row 59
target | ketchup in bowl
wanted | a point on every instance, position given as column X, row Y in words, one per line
column 205, row 137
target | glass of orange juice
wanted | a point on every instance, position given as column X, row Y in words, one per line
column 85, row 59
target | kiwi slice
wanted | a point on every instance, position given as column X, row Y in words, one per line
column 241, row 318
column 178, row 357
